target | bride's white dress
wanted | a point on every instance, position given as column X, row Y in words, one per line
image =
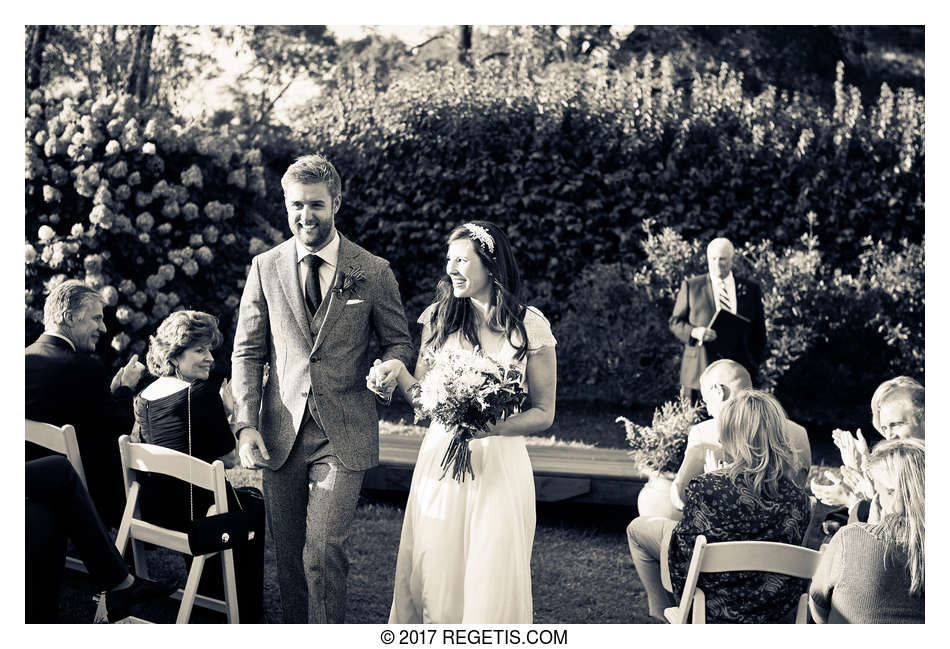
column 465, row 551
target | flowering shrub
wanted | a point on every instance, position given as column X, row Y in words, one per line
column 832, row 336
column 138, row 208
column 569, row 158
column 661, row 446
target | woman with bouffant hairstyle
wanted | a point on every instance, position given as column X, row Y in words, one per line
column 187, row 409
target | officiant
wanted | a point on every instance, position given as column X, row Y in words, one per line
column 718, row 315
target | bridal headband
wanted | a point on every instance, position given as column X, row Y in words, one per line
column 480, row 234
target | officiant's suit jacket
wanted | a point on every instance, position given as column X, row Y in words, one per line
column 68, row 387
column 319, row 364
column 695, row 307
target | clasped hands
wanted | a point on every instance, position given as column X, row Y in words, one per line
column 382, row 376
column 853, row 485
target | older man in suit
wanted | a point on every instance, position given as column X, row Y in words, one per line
column 698, row 300
column 67, row 384
column 308, row 309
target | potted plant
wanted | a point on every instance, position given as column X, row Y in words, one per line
column 658, row 451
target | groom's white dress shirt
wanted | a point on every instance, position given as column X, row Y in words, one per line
column 330, row 253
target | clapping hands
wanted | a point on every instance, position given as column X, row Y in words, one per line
column 854, row 450
column 853, row 484
column 128, row 375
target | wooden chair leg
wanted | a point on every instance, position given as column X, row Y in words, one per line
column 230, row 586
column 191, row 588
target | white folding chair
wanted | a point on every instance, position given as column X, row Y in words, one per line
column 61, row 439
column 730, row 556
column 164, row 461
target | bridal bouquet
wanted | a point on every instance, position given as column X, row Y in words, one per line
column 466, row 391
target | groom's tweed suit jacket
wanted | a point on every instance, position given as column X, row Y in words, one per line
column 320, row 364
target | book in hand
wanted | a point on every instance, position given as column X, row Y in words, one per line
column 731, row 329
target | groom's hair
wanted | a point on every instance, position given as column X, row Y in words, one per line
column 313, row 170
column 69, row 297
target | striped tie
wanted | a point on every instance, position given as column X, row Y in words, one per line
column 724, row 303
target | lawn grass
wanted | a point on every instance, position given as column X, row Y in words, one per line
column 580, row 566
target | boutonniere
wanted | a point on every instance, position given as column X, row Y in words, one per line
column 348, row 279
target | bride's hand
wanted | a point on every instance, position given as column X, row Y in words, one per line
column 493, row 429
column 382, row 376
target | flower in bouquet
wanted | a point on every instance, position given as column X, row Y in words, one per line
column 467, row 392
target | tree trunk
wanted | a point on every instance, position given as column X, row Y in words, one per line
column 141, row 57
column 36, row 42
column 465, row 44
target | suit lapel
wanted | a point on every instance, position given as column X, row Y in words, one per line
column 332, row 306
column 290, row 283
column 710, row 294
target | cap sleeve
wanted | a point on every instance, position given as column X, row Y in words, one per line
column 426, row 316
column 538, row 329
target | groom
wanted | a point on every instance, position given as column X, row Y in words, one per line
column 308, row 308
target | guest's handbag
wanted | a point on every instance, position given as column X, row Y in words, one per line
column 219, row 531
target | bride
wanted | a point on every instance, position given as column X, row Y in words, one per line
column 465, row 550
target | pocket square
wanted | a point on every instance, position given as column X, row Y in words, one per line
column 349, row 302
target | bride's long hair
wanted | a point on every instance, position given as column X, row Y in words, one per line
column 507, row 310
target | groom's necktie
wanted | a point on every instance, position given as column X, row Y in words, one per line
column 724, row 302
column 312, row 284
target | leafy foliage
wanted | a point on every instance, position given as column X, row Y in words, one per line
column 154, row 215
column 660, row 447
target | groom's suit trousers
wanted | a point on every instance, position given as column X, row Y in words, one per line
column 312, row 485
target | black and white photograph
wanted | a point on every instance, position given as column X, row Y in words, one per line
column 474, row 325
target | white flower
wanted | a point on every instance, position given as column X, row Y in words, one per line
column 164, row 228
column 109, row 295
column 124, row 315
column 121, row 341
column 138, row 299
column 30, row 254
column 145, row 238
column 76, row 230
column 191, row 177
column 46, row 233
column 113, row 148
column 127, row 286
column 190, row 268
column 144, row 221
column 195, row 240
column 167, row 271
column 148, row 148
column 204, row 255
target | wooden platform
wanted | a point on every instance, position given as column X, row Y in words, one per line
column 561, row 473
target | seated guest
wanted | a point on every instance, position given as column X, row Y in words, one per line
column 882, row 390
column 183, row 410
column 67, row 384
column 751, row 498
column 58, row 508
column 719, row 382
column 874, row 573
column 897, row 411
column 901, row 413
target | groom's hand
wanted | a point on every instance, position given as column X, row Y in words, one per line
column 249, row 442
column 382, row 377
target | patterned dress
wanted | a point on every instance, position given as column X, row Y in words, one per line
column 723, row 511
column 465, row 551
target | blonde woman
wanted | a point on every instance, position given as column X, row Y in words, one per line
column 874, row 573
column 751, row 499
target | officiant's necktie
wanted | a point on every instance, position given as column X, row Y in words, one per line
column 312, row 283
column 724, row 302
